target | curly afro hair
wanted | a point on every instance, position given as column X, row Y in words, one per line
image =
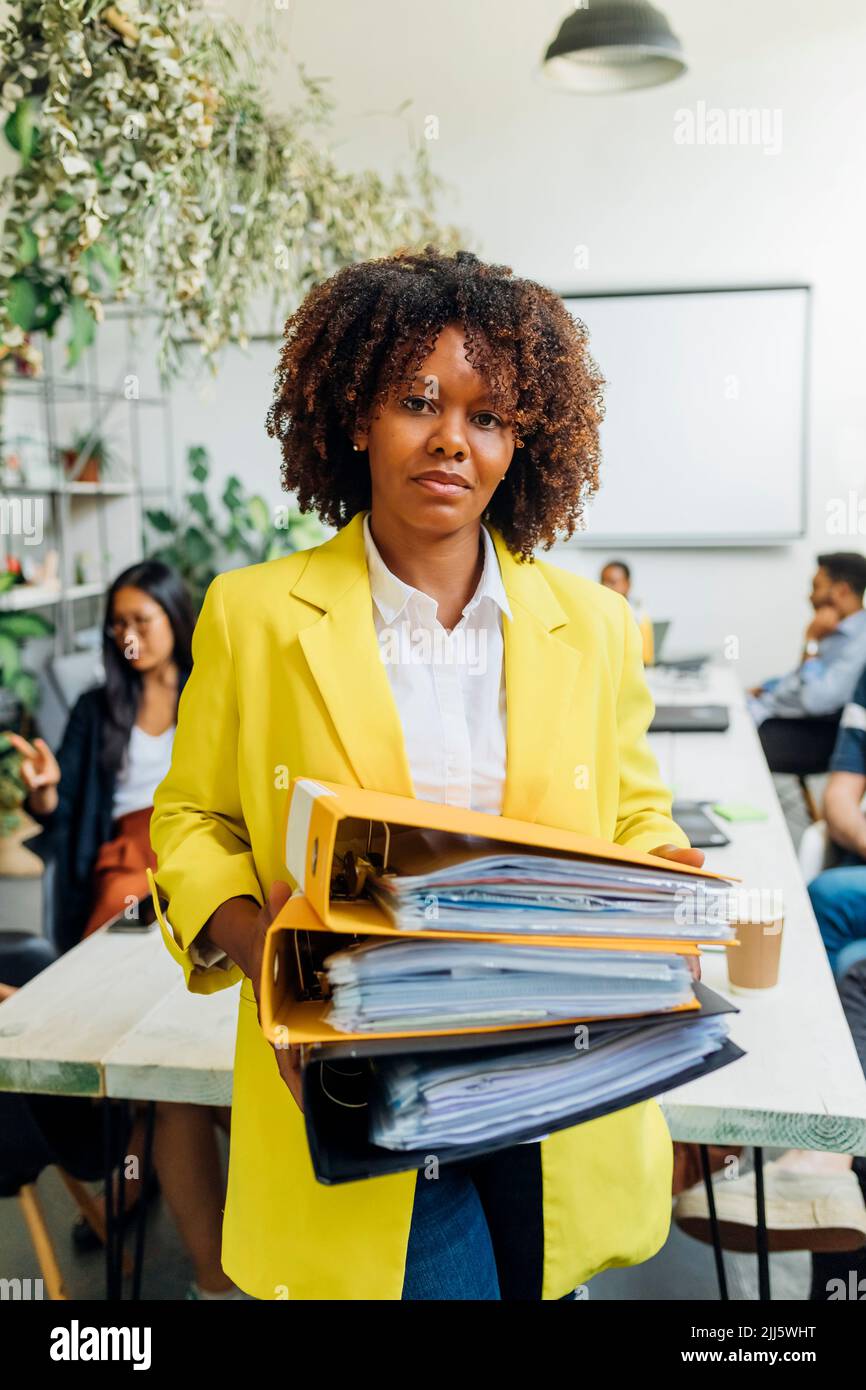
column 361, row 335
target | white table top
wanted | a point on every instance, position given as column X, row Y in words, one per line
column 801, row 1083
column 113, row 1016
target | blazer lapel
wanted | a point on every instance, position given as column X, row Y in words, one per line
column 342, row 652
column 541, row 674
column 343, row 655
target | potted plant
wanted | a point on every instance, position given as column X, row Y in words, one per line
column 88, row 458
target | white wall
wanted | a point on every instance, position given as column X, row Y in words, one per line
column 534, row 173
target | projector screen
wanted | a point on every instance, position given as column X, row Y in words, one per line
column 704, row 436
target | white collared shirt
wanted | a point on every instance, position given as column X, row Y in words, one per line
column 449, row 688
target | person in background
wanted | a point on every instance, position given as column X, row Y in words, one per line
column 839, row 894
column 834, row 647
column 616, row 575
column 95, row 801
column 814, row 1199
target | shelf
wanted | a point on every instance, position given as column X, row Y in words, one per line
column 26, row 596
column 73, row 489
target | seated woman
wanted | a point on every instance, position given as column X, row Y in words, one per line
column 95, row 801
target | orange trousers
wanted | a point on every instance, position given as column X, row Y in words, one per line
column 120, row 871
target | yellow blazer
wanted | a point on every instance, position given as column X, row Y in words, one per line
column 288, row 681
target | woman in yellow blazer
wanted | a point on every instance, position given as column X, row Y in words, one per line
column 416, row 396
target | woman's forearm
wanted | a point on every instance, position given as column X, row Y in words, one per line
column 235, row 928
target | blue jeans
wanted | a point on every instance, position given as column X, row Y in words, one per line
column 450, row 1253
column 839, row 903
column 477, row 1230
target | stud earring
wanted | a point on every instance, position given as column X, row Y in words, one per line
column 357, row 448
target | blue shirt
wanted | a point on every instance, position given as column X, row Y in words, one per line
column 849, row 754
column 824, row 683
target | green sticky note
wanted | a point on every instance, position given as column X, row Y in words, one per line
column 739, row 810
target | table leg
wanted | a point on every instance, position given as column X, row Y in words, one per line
column 112, row 1292
column 714, row 1225
column 141, row 1219
column 762, row 1241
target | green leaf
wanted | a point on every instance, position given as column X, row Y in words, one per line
column 83, row 330
column 21, row 129
column 198, row 503
column 10, row 658
column 26, row 688
column 22, row 625
column 28, row 248
column 260, row 515
column 197, row 547
column 107, row 258
column 198, row 463
column 7, row 579
column 159, row 520
column 23, row 303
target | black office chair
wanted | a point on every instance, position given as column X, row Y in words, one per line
column 801, row 748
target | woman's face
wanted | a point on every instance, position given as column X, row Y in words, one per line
column 438, row 451
column 141, row 629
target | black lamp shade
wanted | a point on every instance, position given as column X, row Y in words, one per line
column 613, row 46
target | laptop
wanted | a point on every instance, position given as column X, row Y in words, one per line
column 690, row 719
column 660, row 632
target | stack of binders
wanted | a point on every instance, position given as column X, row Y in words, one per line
column 459, row 982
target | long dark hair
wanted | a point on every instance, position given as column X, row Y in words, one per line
column 122, row 682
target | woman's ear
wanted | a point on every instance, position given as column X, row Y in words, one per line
column 359, row 443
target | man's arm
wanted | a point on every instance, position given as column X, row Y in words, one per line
column 845, row 820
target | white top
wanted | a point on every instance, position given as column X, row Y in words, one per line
column 148, row 758
column 449, row 690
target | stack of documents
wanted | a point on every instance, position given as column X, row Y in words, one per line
column 488, row 887
column 426, row 1102
column 384, row 986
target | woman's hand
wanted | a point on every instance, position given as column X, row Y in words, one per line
column 695, row 857
column 40, row 773
column 239, row 928
column 288, row 1057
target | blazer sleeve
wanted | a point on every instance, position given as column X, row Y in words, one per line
column 644, row 817
column 197, row 830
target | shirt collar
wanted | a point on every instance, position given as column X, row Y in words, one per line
column 853, row 622
column 391, row 595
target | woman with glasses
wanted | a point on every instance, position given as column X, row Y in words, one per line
column 95, row 800
column 96, row 797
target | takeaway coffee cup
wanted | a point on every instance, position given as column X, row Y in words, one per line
column 753, row 963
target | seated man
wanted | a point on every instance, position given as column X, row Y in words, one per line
column 616, row 575
column 834, row 647
column 839, row 894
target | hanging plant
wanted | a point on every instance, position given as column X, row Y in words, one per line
column 150, row 167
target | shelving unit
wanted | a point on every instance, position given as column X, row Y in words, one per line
column 95, row 527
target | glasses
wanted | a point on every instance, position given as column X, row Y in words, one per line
column 118, row 627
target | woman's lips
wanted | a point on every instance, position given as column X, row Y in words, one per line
column 441, row 486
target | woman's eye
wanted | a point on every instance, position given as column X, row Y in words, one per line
column 415, row 404
column 487, row 420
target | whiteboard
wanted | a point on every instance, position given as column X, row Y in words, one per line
column 704, row 436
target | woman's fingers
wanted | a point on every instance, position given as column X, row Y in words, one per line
column 21, row 745
column 695, row 857
column 289, row 1063
column 277, row 898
